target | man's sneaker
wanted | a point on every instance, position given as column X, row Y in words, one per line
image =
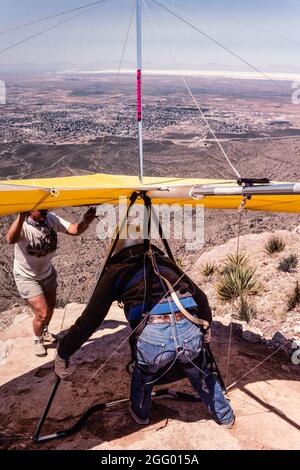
column 228, row 425
column 39, row 348
column 49, row 337
column 135, row 417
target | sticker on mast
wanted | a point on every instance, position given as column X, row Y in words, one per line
column 139, row 94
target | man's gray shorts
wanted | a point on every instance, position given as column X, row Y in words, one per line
column 30, row 287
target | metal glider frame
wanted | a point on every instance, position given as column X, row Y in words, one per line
column 37, row 437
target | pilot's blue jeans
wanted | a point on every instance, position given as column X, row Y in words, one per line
column 157, row 347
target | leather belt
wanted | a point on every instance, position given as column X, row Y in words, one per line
column 165, row 318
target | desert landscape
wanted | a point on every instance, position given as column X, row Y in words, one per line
column 72, row 123
column 57, row 124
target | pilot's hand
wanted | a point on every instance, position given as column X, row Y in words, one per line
column 62, row 368
column 23, row 215
column 90, row 215
column 207, row 336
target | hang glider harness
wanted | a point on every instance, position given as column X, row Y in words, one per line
column 152, row 268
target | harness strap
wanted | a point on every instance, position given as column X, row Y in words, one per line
column 188, row 315
column 198, row 321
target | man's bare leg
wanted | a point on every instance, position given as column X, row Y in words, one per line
column 40, row 309
column 51, row 302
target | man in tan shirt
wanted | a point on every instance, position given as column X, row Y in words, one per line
column 34, row 235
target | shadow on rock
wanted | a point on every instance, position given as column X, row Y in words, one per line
column 95, row 381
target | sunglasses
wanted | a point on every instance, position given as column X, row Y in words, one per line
column 43, row 212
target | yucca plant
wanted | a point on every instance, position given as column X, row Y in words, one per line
column 237, row 259
column 234, row 283
column 294, row 298
column 274, row 244
column 288, row 264
column 209, row 268
column 233, row 260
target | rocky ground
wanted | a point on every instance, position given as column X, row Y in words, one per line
column 265, row 398
column 265, row 401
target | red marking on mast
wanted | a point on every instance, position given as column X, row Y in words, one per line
column 139, row 94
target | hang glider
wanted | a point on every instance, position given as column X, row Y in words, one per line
column 48, row 193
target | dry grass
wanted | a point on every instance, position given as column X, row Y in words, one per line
column 294, row 298
column 275, row 244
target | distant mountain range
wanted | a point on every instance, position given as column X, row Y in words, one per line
column 111, row 65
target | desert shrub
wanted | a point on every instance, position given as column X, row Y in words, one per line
column 275, row 244
column 245, row 310
column 234, row 260
column 234, row 284
column 294, row 298
column 208, row 269
column 288, row 264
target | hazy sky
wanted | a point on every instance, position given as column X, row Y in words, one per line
column 98, row 35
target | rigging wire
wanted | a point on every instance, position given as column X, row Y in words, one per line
column 19, row 437
column 236, row 172
column 231, row 324
column 226, row 18
column 232, row 305
column 126, row 39
column 256, row 28
column 97, row 165
column 55, row 15
column 49, row 28
column 196, row 102
column 82, row 239
column 25, row 175
column 257, row 365
column 39, row 33
column 248, row 25
column 238, row 248
column 215, row 41
column 210, row 128
column 15, row 438
column 60, row 159
column 233, row 384
column 117, row 77
column 93, row 4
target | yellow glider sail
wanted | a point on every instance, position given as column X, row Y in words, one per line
column 46, row 193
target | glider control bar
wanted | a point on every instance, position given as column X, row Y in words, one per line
column 198, row 192
column 37, row 438
column 244, row 187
